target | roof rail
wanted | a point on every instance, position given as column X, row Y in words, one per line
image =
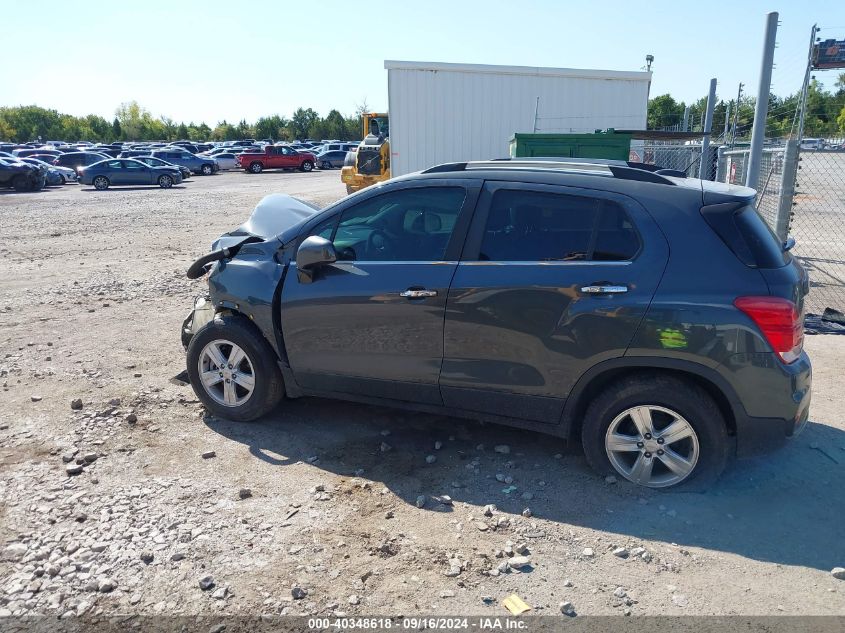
column 597, row 167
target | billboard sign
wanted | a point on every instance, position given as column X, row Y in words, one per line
column 829, row 54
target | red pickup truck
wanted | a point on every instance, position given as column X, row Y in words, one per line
column 276, row 157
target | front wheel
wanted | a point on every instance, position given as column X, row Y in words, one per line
column 307, row 166
column 656, row 431
column 165, row 181
column 207, row 170
column 233, row 369
column 101, row 183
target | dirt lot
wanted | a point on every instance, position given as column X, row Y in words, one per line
column 91, row 300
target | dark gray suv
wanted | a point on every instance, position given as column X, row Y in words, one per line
column 653, row 318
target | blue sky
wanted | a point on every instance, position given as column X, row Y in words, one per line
column 213, row 60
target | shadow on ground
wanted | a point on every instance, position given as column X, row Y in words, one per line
column 784, row 507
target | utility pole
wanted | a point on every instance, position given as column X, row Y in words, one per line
column 727, row 122
column 736, row 114
column 705, row 164
column 686, row 120
column 536, row 112
column 758, row 131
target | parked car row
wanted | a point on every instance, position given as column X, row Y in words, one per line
column 35, row 165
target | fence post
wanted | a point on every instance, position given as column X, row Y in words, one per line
column 787, row 189
column 721, row 167
column 706, row 164
column 758, row 131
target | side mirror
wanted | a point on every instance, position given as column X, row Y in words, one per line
column 314, row 251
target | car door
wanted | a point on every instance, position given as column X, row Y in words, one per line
column 552, row 281
column 289, row 158
column 116, row 173
column 136, row 173
column 371, row 324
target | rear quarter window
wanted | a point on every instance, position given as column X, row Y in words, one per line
column 764, row 245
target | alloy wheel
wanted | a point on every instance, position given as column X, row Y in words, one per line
column 652, row 446
column 227, row 373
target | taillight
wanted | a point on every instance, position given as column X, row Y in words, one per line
column 779, row 321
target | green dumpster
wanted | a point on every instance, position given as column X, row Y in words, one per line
column 609, row 144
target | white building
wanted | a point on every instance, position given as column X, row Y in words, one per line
column 443, row 113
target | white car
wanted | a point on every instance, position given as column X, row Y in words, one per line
column 226, row 160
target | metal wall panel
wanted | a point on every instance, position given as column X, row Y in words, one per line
column 454, row 112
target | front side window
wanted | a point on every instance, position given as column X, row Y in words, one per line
column 546, row 227
column 408, row 225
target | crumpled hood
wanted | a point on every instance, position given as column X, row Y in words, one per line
column 273, row 217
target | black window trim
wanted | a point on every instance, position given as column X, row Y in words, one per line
column 475, row 235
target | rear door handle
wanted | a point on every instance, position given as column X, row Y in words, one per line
column 418, row 293
column 604, row 290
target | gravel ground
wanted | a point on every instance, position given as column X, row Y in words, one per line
column 316, row 508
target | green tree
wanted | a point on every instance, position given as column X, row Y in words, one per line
column 182, row 132
column 116, row 129
column 301, row 122
column 664, row 111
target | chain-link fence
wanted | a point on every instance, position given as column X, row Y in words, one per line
column 684, row 157
column 775, row 184
column 818, row 226
column 801, row 194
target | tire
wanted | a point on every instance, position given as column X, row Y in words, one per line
column 256, row 168
column 259, row 362
column 207, row 170
column 703, row 441
column 306, row 166
column 165, row 181
column 64, row 180
column 21, row 183
column 326, row 165
column 101, row 183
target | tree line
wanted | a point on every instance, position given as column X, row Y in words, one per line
column 134, row 123
column 825, row 113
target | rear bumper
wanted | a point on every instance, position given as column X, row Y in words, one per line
column 776, row 398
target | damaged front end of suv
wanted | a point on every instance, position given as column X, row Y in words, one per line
column 245, row 267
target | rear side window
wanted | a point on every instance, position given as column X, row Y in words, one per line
column 539, row 226
column 746, row 234
column 761, row 240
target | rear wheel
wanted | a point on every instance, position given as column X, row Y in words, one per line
column 656, row 431
column 256, row 168
column 326, row 165
column 165, row 181
column 101, row 183
column 207, row 170
column 233, row 369
column 307, row 166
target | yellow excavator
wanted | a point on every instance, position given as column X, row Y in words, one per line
column 371, row 163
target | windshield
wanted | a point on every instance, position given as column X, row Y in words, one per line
column 380, row 126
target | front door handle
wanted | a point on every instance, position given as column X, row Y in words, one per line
column 604, row 290
column 418, row 293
